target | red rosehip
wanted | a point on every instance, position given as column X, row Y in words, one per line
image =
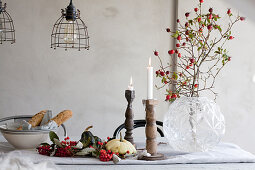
column 183, row 44
column 167, row 72
column 128, row 152
column 187, row 32
column 165, row 82
column 162, row 73
column 178, row 20
column 155, row 53
column 176, row 51
column 200, row 30
column 168, row 30
column 231, row 37
column 186, row 24
column 187, row 39
column 179, row 55
column 199, row 19
column 171, row 52
column 229, row 58
column 209, row 27
column 187, row 14
column 108, row 138
column 242, row 18
column 178, row 45
column 192, row 60
column 173, row 96
column 196, row 85
column 201, row 1
column 157, row 72
column 210, row 10
column 210, row 16
column 179, row 37
column 168, row 97
column 187, row 67
column 229, row 12
column 195, row 9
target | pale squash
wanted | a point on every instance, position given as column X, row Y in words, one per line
column 121, row 146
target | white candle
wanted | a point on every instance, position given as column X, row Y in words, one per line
column 149, row 81
column 131, row 87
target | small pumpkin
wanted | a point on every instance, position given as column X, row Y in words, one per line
column 88, row 139
column 121, row 146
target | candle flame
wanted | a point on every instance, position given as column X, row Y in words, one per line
column 150, row 62
column 131, row 81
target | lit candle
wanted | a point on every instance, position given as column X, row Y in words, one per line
column 149, row 81
column 131, row 87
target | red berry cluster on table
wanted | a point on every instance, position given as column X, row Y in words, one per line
column 88, row 145
column 200, row 52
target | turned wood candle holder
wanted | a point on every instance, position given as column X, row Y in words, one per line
column 129, row 121
column 151, row 131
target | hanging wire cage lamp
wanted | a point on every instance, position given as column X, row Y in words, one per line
column 69, row 31
column 7, row 32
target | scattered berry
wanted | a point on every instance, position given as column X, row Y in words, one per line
column 178, row 45
column 192, row 60
column 229, row 12
column 171, row 52
column 201, row 1
column 187, row 14
column 210, row 16
column 178, row 20
column 210, row 10
column 167, row 72
column 231, row 37
column 179, row 37
column 195, row 9
column 229, row 58
column 209, row 27
column 242, row 18
column 162, row 73
column 155, row 53
column 168, row 97
column 187, row 67
column 168, row 30
column 196, row 85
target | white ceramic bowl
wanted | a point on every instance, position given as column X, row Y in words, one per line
column 24, row 139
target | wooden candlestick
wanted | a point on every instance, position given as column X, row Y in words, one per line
column 151, row 131
column 129, row 122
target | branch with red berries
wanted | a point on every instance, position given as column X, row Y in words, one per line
column 200, row 52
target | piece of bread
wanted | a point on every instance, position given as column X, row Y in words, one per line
column 37, row 118
column 62, row 117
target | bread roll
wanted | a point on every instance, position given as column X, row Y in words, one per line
column 37, row 118
column 62, row 117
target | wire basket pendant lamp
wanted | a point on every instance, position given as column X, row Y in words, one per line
column 7, row 31
column 69, row 31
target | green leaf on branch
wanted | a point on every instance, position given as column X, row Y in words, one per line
column 53, row 136
column 176, row 34
column 175, row 76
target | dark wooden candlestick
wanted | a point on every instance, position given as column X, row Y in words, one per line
column 151, row 131
column 129, row 122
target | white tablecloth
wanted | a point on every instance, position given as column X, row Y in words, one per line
column 223, row 153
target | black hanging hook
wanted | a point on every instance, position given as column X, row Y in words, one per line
column 70, row 12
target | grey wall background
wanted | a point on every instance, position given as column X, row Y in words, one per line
column 123, row 34
column 90, row 83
